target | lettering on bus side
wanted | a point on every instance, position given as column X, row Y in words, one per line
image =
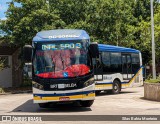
column 63, row 36
column 61, row 86
column 54, row 86
column 107, row 78
column 61, row 46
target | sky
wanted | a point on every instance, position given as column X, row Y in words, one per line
column 3, row 8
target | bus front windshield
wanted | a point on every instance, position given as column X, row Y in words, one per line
column 61, row 59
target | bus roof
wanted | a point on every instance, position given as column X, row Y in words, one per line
column 111, row 48
column 60, row 34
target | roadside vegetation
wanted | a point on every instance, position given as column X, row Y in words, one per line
column 1, row 68
column 150, row 80
column 1, row 90
column 116, row 22
column 153, row 81
column 27, row 82
column 1, row 65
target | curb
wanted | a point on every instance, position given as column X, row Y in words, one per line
column 16, row 92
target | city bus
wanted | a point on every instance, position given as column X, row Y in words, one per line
column 62, row 69
column 117, row 68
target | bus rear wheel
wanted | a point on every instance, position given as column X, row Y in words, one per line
column 44, row 105
column 116, row 87
column 87, row 103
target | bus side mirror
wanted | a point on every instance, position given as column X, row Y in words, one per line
column 27, row 53
column 94, row 51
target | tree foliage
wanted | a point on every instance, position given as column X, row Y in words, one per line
column 25, row 21
column 116, row 22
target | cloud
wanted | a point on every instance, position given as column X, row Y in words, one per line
column 3, row 18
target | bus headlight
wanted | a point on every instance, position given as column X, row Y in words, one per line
column 37, row 85
column 89, row 82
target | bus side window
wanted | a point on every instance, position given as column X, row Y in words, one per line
column 135, row 62
column 129, row 64
column 106, row 61
column 116, row 64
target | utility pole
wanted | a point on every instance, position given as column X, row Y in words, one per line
column 47, row 1
column 153, row 43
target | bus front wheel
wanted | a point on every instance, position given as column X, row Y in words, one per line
column 116, row 87
column 86, row 103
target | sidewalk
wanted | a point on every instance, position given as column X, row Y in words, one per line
column 16, row 90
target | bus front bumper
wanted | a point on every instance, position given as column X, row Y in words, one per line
column 40, row 96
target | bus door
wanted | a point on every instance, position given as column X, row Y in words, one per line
column 126, row 66
column 98, row 69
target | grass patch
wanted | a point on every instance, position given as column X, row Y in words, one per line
column 1, row 90
column 153, row 81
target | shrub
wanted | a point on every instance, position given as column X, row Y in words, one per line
column 153, row 81
column 1, row 90
column 1, row 65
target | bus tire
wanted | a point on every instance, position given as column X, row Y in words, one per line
column 116, row 87
column 86, row 103
column 97, row 92
column 44, row 105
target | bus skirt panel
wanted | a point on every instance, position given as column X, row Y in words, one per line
column 86, row 93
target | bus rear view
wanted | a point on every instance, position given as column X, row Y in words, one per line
column 62, row 67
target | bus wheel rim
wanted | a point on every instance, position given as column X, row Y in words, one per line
column 115, row 87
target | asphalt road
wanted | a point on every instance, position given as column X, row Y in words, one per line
column 129, row 102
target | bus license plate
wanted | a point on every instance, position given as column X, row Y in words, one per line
column 64, row 99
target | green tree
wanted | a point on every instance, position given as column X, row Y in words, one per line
column 141, row 29
column 115, row 22
column 25, row 21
